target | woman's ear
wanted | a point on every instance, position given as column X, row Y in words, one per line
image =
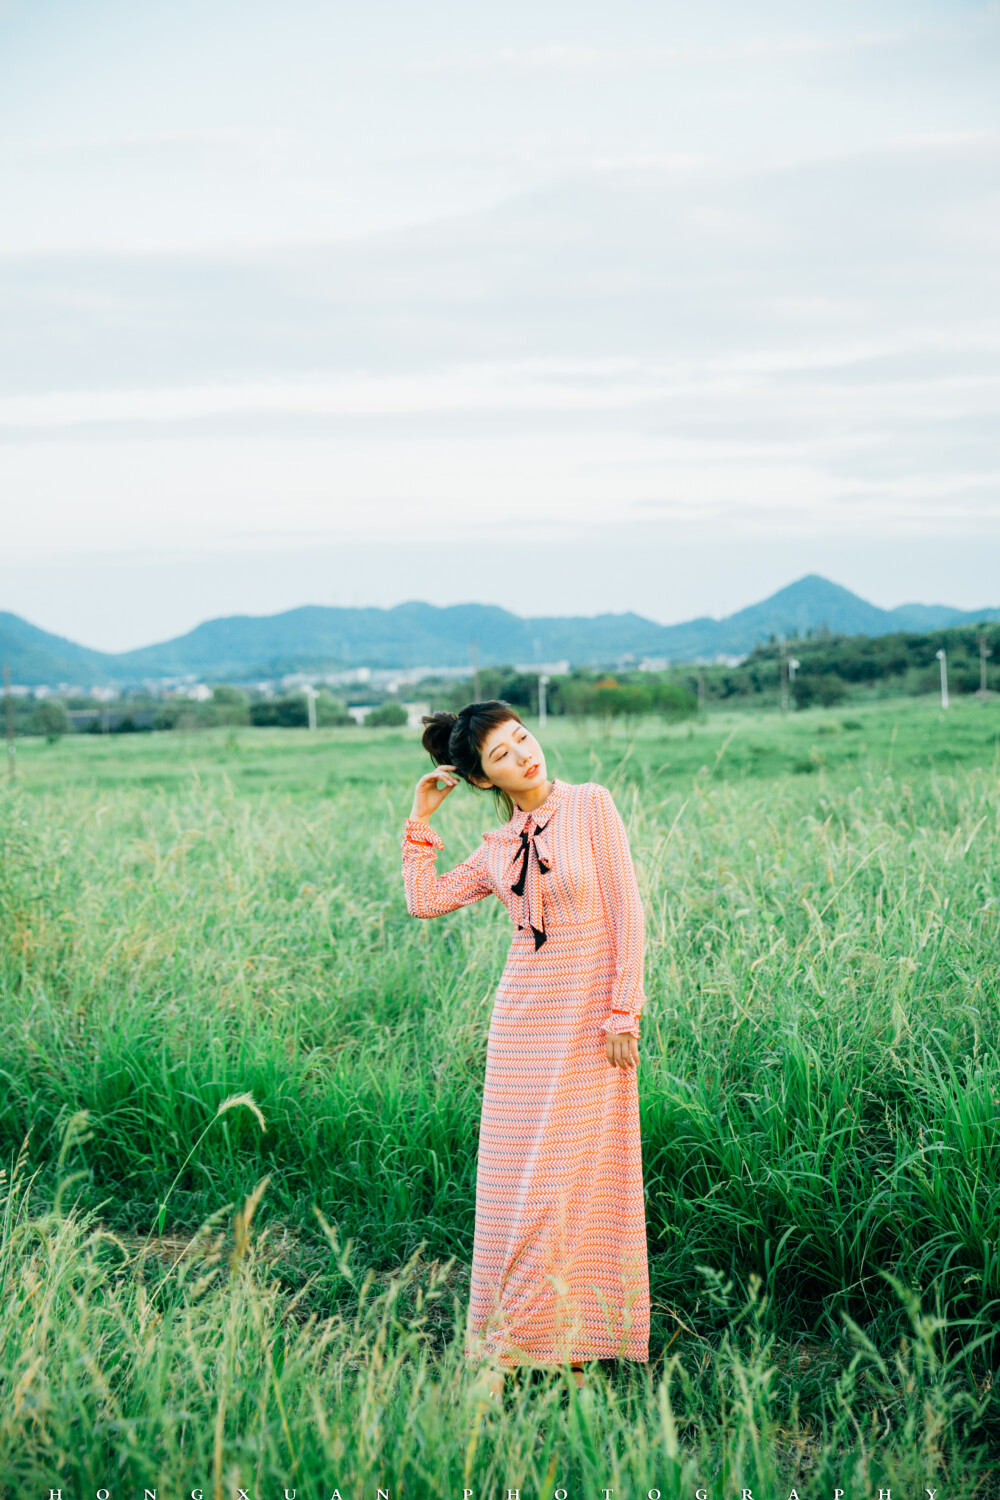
column 483, row 782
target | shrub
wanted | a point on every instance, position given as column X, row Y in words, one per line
column 673, row 701
column 331, row 713
column 292, row 712
column 168, row 716
column 49, row 718
column 228, row 706
column 280, row 713
column 386, row 716
column 823, row 688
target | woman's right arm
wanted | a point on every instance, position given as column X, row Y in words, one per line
column 429, row 894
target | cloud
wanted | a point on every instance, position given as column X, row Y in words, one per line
column 573, row 58
column 570, row 58
column 241, row 141
column 639, row 262
column 684, row 327
column 868, row 373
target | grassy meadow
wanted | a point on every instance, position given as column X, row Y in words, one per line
column 239, row 1110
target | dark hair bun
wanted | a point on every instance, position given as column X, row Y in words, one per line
column 437, row 734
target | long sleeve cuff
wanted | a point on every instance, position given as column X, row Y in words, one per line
column 620, row 1021
column 416, row 832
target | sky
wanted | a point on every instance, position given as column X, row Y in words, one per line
column 560, row 306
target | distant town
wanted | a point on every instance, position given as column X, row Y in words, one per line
column 811, row 644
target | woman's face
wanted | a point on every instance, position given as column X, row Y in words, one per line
column 512, row 759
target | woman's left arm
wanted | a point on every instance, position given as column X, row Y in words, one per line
column 616, row 877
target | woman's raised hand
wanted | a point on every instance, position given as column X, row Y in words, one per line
column 428, row 796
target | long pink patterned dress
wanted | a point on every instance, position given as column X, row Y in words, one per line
column 559, row 1268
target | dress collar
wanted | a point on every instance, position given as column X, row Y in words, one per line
column 542, row 813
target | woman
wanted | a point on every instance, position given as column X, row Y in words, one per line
column 559, row 1269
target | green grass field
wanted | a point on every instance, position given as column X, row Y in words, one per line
column 270, row 1294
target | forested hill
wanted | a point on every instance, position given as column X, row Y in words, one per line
column 320, row 638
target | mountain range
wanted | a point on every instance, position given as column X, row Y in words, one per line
column 319, row 638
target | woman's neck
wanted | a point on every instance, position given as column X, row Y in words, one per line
column 530, row 800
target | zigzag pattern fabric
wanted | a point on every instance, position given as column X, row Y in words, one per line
column 559, row 1265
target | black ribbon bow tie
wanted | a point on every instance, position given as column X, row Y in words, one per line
column 523, row 854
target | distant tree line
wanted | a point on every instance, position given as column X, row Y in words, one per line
column 231, row 706
column 581, row 694
column 833, row 668
column 830, row 669
column 228, row 706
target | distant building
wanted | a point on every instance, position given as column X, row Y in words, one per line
column 414, row 711
column 551, row 668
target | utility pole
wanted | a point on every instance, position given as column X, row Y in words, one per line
column 474, row 652
column 310, row 693
column 9, row 709
column 784, row 678
column 793, row 667
column 943, row 659
column 701, row 690
column 543, row 683
column 984, row 652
